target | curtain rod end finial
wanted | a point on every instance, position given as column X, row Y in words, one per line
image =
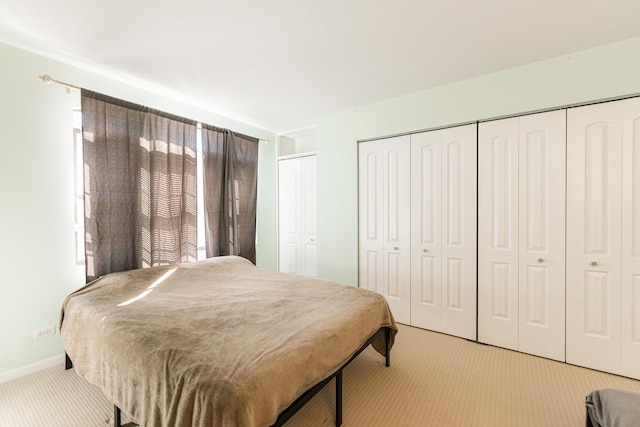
column 46, row 79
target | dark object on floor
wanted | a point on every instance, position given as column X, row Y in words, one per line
column 613, row 408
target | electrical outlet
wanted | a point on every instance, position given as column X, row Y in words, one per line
column 44, row 332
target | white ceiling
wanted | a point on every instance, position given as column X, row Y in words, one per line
column 279, row 64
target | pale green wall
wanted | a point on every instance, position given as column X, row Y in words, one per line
column 609, row 71
column 37, row 264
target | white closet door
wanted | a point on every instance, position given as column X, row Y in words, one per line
column 630, row 312
column 396, row 228
column 459, row 231
column 297, row 215
column 289, row 216
column 309, row 215
column 370, row 171
column 426, row 231
column 443, row 230
column 542, row 160
column 498, row 233
column 385, row 262
column 594, row 236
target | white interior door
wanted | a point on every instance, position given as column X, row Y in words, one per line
column 630, row 311
column 426, row 230
column 371, row 254
column 396, row 226
column 459, row 230
column 443, row 230
column 594, row 236
column 297, row 216
column 289, row 216
column 498, row 233
column 541, row 296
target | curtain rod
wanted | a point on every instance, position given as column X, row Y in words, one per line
column 47, row 79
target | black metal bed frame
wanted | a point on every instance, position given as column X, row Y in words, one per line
column 306, row 396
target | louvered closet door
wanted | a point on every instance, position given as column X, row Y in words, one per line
column 541, row 284
column 385, row 244
column 630, row 312
column 594, row 170
column 459, row 231
column 426, row 230
column 498, row 233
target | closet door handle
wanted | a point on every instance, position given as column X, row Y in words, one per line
column 540, row 260
column 593, row 263
column 395, row 248
column 425, row 251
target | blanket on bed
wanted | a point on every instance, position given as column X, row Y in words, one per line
column 219, row 342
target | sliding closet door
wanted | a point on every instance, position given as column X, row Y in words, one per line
column 385, row 262
column 630, row 310
column 498, row 233
column 541, row 213
column 594, row 153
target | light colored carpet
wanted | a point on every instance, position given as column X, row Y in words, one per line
column 434, row 380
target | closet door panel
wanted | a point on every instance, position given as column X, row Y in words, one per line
column 426, row 231
column 630, row 310
column 542, row 166
column 459, row 228
column 594, row 236
column 396, row 226
column 498, row 233
column 296, row 216
column 371, row 216
column 290, row 232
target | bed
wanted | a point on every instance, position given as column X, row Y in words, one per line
column 218, row 342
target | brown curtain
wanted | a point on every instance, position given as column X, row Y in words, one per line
column 230, row 169
column 140, row 186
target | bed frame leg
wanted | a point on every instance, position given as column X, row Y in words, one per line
column 68, row 364
column 117, row 417
column 387, row 339
column 339, row 398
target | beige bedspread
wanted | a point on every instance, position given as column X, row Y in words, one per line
column 214, row 343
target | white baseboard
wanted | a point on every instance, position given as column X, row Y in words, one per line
column 30, row 369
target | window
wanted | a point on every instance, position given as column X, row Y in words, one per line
column 78, row 181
